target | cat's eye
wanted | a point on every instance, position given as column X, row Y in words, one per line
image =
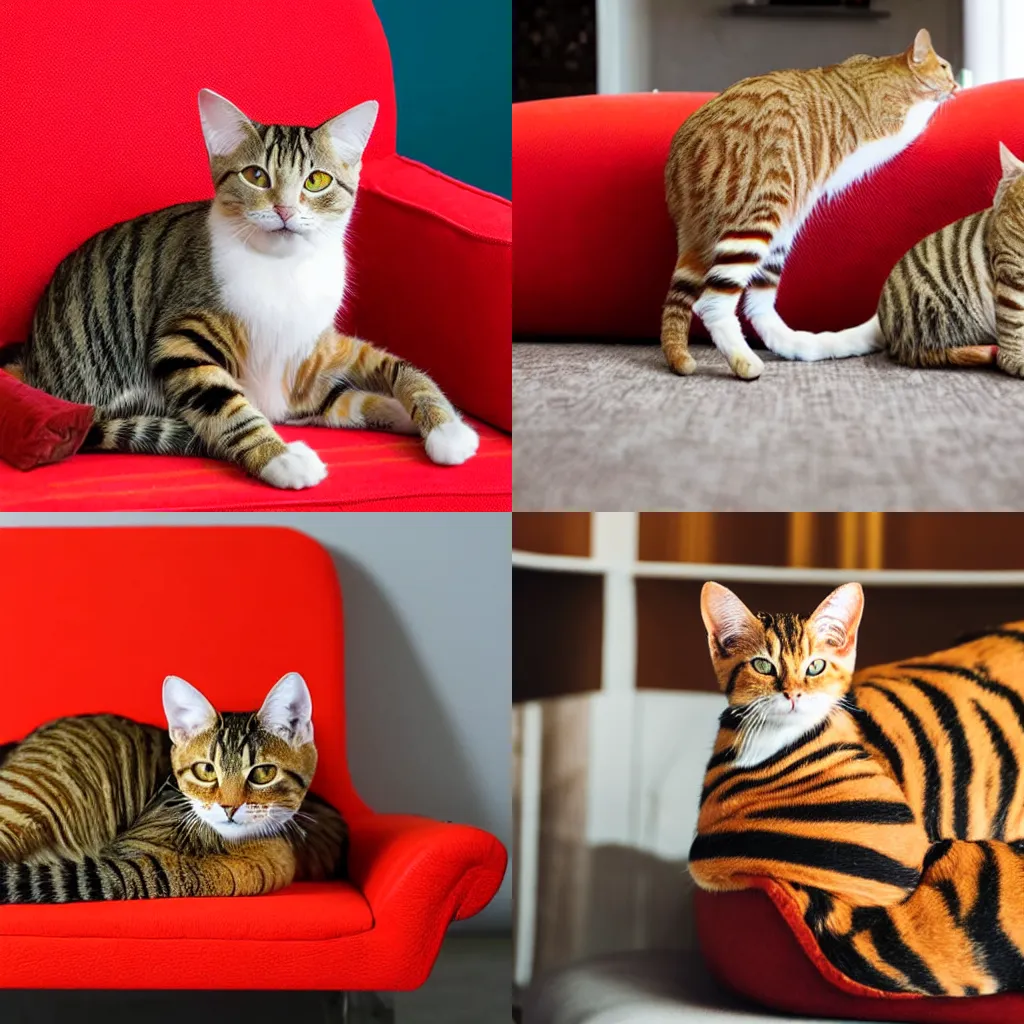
column 256, row 176
column 816, row 667
column 204, row 771
column 764, row 666
column 262, row 774
column 317, row 181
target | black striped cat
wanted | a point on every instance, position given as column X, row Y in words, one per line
column 195, row 328
column 104, row 808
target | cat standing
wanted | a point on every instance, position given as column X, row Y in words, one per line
column 195, row 328
column 99, row 807
column 748, row 167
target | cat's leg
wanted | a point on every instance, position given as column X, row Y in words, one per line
column 677, row 311
column 153, row 435
column 197, row 360
column 1010, row 320
column 780, row 338
column 737, row 257
column 346, row 382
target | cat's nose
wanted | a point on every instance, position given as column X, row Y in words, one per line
column 230, row 812
column 285, row 212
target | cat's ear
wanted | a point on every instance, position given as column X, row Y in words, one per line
column 225, row 127
column 921, row 47
column 1011, row 166
column 350, row 132
column 836, row 619
column 727, row 619
column 188, row 712
column 288, row 710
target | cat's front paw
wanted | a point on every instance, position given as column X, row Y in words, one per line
column 452, row 443
column 295, row 469
column 746, row 367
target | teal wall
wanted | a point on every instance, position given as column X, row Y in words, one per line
column 453, row 73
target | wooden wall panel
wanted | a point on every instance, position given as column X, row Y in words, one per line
column 899, row 622
column 954, row 540
column 738, row 538
column 556, row 633
column 552, row 533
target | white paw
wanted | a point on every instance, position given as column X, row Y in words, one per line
column 452, row 443
column 295, row 469
column 746, row 367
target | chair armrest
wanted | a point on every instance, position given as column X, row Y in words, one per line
column 420, row 871
column 431, row 280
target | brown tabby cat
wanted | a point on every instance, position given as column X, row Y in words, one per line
column 747, row 168
column 194, row 329
column 957, row 297
column 99, row 807
column 887, row 806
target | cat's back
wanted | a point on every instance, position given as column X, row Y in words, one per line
column 939, row 296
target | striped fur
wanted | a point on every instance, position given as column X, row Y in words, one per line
column 957, row 297
column 195, row 329
column 103, row 808
column 896, row 823
column 746, row 170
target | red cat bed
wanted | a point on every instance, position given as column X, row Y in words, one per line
column 756, row 942
column 587, row 266
column 36, row 428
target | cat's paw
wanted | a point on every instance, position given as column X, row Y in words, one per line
column 746, row 367
column 452, row 443
column 295, row 469
column 1010, row 363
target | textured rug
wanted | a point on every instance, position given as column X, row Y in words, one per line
column 607, row 427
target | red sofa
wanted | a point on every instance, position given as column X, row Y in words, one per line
column 89, row 639
column 595, row 246
column 100, row 124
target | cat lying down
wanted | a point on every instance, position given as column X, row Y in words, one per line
column 99, row 807
column 888, row 804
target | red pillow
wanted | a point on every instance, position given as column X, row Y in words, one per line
column 36, row 428
column 756, row 942
column 595, row 247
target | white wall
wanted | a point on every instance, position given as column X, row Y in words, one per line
column 428, row 613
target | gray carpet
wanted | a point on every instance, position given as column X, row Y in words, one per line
column 607, row 427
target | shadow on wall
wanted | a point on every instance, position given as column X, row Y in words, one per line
column 395, row 722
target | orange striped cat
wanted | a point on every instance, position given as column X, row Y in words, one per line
column 746, row 170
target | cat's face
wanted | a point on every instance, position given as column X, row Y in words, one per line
column 932, row 74
column 783, row 670
column 280, row 185
column 244, row 773
column 1009, row 197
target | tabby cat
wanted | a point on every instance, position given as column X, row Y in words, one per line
column 99, row 807
column 195, row 328
column 746, row 170
column 957, row 298
column 888, row 806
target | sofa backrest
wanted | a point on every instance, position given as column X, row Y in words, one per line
column 99, row 116
column 93, row 619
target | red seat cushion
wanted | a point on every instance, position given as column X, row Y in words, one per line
column 756, row 942
column 595, row 246
column 367, row 471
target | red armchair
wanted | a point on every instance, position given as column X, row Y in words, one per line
column 100, row 124
column 89, row 641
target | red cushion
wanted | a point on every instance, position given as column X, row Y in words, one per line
column 756, row 942
column 409, row 876
column 595, row 245
column 367, row 471
column 36, row 428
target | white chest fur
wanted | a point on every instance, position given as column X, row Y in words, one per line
column 286, row 300
column 860, row 163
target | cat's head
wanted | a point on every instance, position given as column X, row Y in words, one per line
column 932, row 74
column 894, row 84
column 783, row 670
column 278, row 184
column 244, row 773
column 1009, row 197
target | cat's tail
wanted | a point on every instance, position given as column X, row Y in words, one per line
column 153, row 435
column 936, row 358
